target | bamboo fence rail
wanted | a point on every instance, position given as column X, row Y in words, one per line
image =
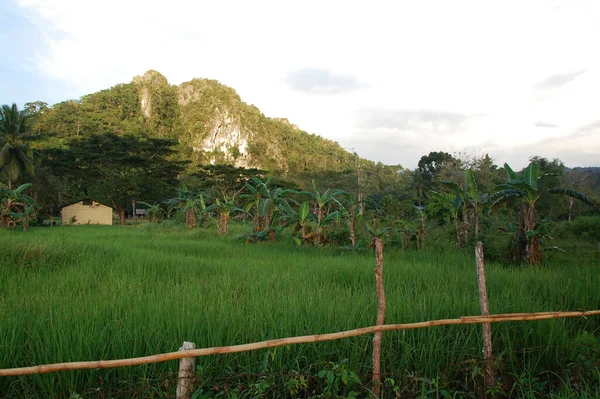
column 48, row 368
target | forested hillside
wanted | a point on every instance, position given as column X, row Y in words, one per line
column 208, row 120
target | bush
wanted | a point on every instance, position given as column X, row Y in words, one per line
column 584, row 227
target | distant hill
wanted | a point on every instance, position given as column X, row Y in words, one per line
column 209, row 120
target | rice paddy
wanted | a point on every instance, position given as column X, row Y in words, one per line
column 109, row 292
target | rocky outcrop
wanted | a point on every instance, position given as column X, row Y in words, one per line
column 217, row 127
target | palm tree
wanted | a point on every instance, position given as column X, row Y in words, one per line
column 524, row 186
column 417, row 186
column 15, row 155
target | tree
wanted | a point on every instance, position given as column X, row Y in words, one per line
column 432, row 164
column 224, row 181
column 417, row 186
column 525, row 187
column 15, row 155
column 122, row 169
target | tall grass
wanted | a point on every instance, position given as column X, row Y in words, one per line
column 95, row 292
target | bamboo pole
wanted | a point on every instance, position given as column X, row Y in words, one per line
column 102, row 364
column 490, row 377
column 185, row 379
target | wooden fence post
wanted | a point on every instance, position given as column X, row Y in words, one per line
column 490, row 377
column 381, row 305
column 185, row 379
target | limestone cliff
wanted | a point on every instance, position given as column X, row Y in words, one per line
column 219, row 127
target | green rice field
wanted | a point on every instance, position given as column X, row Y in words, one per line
column 78, row 293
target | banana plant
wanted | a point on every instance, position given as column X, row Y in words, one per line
column 354, row 216
column 189, row 203
column 271, row 208
column 461, row 195
column 476, row 199
column 524, row 186
column 422, row 229
column 408, row 229
column 17, row 207
column 472, row 203
column 303, row 225
column 224, row 210
column 154, row 211
column 452, row 204
column 322, row 204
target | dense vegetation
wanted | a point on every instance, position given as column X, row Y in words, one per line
column 197, row 156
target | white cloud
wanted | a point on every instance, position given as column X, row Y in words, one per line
column 473, row 58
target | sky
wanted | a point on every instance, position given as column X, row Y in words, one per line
column 389, row 80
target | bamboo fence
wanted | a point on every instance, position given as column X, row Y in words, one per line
column 100, row 364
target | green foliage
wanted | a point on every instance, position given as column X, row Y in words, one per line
column 16, row 207
column 154, row 211
column 15, row 156
column 271, row 208
column 194, row 114
column 339, row 380
column 432, row 164
column 224, row 180
column 583, row 228
column 525, row 187
column 188, row 204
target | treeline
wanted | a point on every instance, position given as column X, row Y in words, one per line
column 108, row 156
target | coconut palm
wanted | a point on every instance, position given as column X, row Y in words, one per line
column 525, row 187
column 417, row 186
column 15, row 156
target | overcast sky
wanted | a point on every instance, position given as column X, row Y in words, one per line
column 392, row 80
